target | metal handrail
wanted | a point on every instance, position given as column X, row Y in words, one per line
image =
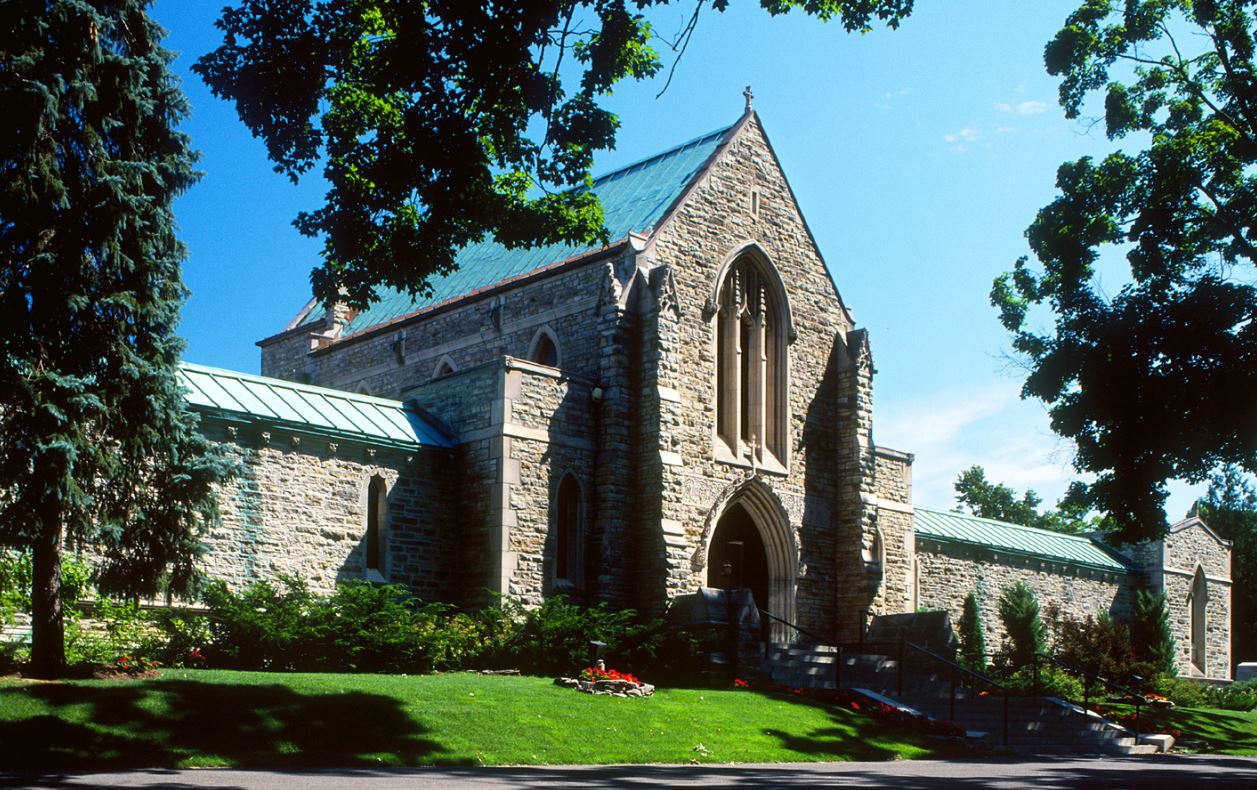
column 820, row 640
column 1086, row 686
column 1087, row 677
column 902, row 645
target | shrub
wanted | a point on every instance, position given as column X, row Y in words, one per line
column 1186, row 693
column 1150, row 632
column 972, row 642
column 1019, row 612
column 261, row 627
column 1195, row 694
column 1052, row 682
column 1236, row 696
column 554, row 637
column 15, row 584
column 1102, row 646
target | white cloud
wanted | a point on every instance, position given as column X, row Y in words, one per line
column 950, row 431
column 959, row 141
column 1021, row 108
column 889, row 98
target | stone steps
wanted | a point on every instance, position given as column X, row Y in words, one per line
column 1039, row 726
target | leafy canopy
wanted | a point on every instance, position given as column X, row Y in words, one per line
column 1155, row 381
column 983, row 498
column 98, row 443
column 440, row 123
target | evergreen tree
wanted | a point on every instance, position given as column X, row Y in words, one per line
column 99, row 447
column 972, row 642
column 1150, row 632
column 1019, row 612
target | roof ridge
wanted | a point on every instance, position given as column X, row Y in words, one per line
column 660, row 154
column 271, row 381
column 1038, row 530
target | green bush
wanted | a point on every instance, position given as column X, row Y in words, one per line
column 1102, row 646
column 1236, row 696
column 15, row 584
column 180, row 638
column 1052, row 682
column 1195, row 694
column 554, row 638
column 261, row 627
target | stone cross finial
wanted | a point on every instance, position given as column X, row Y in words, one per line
column 746, row 94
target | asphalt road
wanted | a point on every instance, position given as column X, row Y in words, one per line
column 1138, row 773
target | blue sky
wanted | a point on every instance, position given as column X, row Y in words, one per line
column 918, row 156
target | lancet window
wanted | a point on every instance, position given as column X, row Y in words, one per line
column 752, row 410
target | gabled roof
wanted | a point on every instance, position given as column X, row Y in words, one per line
column 1197, row 521
column 256, row 399
column 635, row 199
column 1013, row 538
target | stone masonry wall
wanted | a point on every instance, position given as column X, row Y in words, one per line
column 892, row 489
column 389, row 362
column 299, row 507
column 946, row 573
column 551, row 438
column 710, row 225
column 1187, row 547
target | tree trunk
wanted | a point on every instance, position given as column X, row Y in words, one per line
column 47, row 623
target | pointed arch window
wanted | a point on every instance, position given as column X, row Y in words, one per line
column 569, row 532
column 752, row 330
column 544, row 349
column 1197, row 607
column 443, row 368
column 377, row 525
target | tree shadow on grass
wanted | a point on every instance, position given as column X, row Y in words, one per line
column 163, row 723
column 856, row 737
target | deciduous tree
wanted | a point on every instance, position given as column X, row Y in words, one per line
column 1153, row 379
column 983, row 498
column 444, row 122
column 98, row 446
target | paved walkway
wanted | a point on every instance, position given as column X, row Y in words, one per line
column 1139, row 773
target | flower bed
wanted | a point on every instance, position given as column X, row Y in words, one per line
column 599, row 680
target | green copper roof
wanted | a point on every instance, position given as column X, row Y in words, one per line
column 309, row 409
column 634, row 198
column 1014, row 538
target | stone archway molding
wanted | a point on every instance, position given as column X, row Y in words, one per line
column 773, row 522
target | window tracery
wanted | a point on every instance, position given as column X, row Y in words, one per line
column 751, row 368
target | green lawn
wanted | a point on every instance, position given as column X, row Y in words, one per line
column 1220, row 731
column 212, row 718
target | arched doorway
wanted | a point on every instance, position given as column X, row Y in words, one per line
column 751, row 532
column 736, row 557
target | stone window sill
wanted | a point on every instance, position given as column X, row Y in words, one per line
column 770, row 464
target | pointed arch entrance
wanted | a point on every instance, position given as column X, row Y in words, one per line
column 751, row 546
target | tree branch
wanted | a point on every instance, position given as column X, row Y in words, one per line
column 684, row 40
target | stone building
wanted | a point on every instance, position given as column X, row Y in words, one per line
column 688, row 406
